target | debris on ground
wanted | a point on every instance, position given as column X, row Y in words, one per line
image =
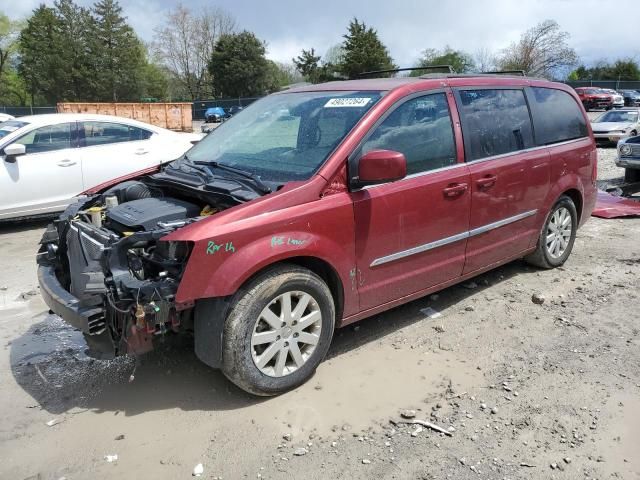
column 431, row 312
column 198, row 470
column 53, row 422
column 424, row 423
column 298, row 452
column 111, row 458
column 408, row 414
column 538, row 298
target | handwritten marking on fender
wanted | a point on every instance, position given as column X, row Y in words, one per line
column 279, row 241
column 213, row 247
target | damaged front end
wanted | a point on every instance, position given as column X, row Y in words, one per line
column 103, row 267
column 116, row 285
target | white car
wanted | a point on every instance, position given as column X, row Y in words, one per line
column 46, row 160
column 5, row 116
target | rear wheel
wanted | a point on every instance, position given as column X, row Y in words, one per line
column 278, row 330
column 631, row 175
column 557, row 236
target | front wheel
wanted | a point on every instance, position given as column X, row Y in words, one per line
column 278, row 330
column 557, row 236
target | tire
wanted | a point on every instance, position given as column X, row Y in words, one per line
column 254, row 344
column 631, row 175
column 549, row 254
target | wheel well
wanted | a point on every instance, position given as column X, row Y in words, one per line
column 574, row 195
column 325, row 271
column 321, row 268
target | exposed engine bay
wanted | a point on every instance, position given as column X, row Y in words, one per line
column 118, row 279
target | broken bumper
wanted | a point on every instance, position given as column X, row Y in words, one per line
column 88, row 319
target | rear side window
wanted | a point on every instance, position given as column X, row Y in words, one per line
column 103, row 133
column 556, row 116
column 494, row 122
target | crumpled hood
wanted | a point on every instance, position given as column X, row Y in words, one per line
column 610, row 126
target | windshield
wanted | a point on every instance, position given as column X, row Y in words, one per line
column 287, row 136
column 619, row 117
column 10, row 126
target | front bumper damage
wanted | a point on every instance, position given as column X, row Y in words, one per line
column 87, row 276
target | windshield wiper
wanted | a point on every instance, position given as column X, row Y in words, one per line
column 262, row 187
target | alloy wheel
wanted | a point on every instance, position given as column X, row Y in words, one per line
column 286, row 333
column 559, row 232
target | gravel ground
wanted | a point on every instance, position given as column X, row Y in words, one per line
column 535, row 374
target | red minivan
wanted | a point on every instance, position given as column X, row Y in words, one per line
column 317, row 207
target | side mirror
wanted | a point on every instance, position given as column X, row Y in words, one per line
column 13, row 151
column 381, row 166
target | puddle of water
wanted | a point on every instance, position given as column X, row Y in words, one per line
column 51, row 336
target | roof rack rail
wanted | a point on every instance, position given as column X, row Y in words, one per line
column 507, row 72
column 448, row 68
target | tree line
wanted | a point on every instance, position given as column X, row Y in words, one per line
column 66, row 52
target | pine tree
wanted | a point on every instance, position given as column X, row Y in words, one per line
column 363, row 51
column 80, row 78
column 117, row 53
column 238, row 66
column 41, row 66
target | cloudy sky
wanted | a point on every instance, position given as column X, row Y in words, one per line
column 406, row 26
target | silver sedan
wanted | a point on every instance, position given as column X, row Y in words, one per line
column 615, row 125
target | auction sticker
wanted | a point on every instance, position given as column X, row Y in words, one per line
column 347, row 102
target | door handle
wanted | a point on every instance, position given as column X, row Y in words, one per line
column 455, row 190
column 141, row 151
column 66, row 163
column 487, row 181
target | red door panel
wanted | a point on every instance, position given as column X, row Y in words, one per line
column 406, row 234
column 506, row 193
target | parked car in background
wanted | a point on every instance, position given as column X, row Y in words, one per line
column 592, row 97
column 273, row 230
column 618, row 98
column 46, row 160
column 5, row 116
column 214, row 115
column 233, row 110
column 631, row 98
column 629, row 158
column 616, row 124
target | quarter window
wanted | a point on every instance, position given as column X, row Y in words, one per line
column 421, row 129
column 103, row 133
column 494, row 122
column 47, row 139
column 556, row 116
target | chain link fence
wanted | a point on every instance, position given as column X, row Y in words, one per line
column 22, row 111
column 200, row 106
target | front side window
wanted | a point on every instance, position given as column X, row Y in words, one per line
column 494, row 122
column 421, row 129
column 285, row 137
column 556, row 116
column 103, row 133
column 47, row 139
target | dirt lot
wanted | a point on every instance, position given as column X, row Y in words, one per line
column 526, row 390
